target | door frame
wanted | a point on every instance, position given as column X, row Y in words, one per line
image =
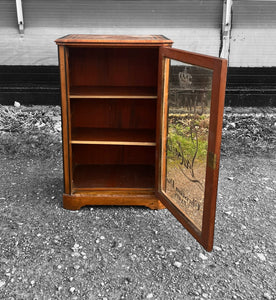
column 219, row 67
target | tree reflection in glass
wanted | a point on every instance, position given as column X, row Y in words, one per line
column 189, row 99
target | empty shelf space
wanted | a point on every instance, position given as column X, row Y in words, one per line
column 113, row 92
column 110, row 136
column 113, row 176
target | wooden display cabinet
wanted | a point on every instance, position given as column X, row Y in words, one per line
column 142, row 126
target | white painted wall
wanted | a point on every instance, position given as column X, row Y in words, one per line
column 253, row 36
column 192, row 25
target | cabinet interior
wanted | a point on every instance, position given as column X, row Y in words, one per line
column 113, row 102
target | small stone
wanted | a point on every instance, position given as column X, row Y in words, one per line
column 243, row 227
column 216, row 248
column 59, row 267
column 84, row 257
column 202, row 256
column 71, row 279
column 72, row 290
column 267, row 296
column 161, row 250
column 230, row 178
column 39, row 234
column 188, row 248
column 171, row 250
column 75, row 254
column 150, row 296
column 76, row 267
column 2, row 283
column 261, row 256
column 16, row 104
column 177, row 264
column 228, row 213
column 232, row 125
column 102, row 237
column 32, row 282
column 76, row 246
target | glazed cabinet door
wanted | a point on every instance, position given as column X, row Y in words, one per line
column 191, row 114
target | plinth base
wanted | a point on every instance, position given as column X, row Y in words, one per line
column 76, row 201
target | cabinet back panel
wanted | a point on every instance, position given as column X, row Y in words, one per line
column 113, row 66
column 114, row 113
column 112, row 155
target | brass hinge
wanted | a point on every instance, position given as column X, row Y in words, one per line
column 212, row 160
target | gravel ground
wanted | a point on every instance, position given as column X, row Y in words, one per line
column 47, row 252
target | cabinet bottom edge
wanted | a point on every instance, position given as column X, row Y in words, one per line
column 76, row 201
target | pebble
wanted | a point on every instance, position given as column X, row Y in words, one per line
column 232, row 125
column 177, row 264
column 150, row 296
column 161, row 250
column 16, row 104
column 261, row 256
column 71, row 279
column 72, row 290
column 76, row 267
column 2, row 283
column 202, row 256
column 59, row 266
column 75, row 254
column 32, row 282
column 216, row 248
column 267, row 296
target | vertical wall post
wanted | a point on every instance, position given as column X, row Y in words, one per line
column 226, row 29
column 20, row 19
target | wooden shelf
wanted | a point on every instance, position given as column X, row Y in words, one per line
column 113, row 176
column 128, row 92
column 111, row 136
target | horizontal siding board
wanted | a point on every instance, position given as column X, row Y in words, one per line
column 33, row 50
column 253, row 36
column 8, row 16
column 256, row 14
column 106, row 14
column 253, row 47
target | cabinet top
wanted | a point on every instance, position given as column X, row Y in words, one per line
column 74, row 39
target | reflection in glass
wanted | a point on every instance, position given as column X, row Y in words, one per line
column 189, row 99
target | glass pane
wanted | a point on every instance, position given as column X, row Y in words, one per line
column 189, row 99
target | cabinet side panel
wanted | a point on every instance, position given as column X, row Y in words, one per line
column 64, row 107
